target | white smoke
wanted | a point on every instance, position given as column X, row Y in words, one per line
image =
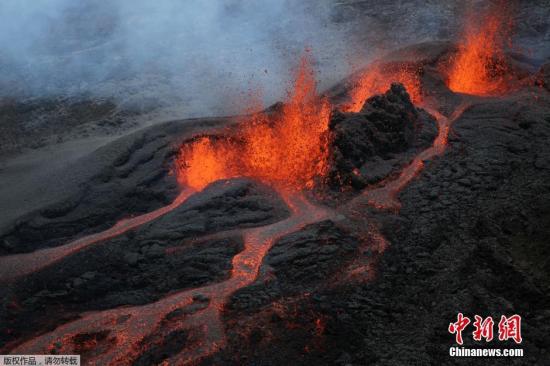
column 201, row 53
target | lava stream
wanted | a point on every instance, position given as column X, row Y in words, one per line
column 385, row 197
column 129, row 326
column 18, row 265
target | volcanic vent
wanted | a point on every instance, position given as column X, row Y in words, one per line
column 311, row 232
column 286, row 148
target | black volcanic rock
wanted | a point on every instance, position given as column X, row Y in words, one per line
column 387, row 124
column 147, row 263
column 471, row 236
column 129, row 176
column 299, row 262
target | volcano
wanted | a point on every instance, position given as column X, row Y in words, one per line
column 339, row 227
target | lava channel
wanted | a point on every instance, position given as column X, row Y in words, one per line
column 128, row 327
column 19, row 265
column 385, row 197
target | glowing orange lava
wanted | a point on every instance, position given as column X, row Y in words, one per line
column 376, row 80
column 480, row 67
column 129, row 326
column 385, row 196
column 205, row 161
column 286, row 148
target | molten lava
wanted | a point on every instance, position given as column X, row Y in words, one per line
column 128, row 327
column 385, row 196
column 480, row 66
column 205, row 161
column 286, row 148
column 18, row 265
column 376, row 80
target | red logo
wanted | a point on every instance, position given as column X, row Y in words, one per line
column 484, row 328
column 458, row 327
column 508, row 328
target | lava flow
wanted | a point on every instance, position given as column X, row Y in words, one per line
column 128, row 327
column 385, row 196
column 18, row 265
column 480, row 66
